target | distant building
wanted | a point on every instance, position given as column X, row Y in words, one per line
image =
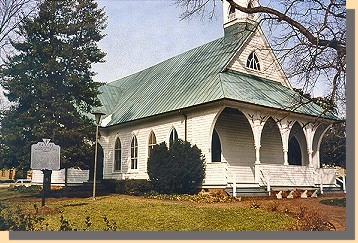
column 74, row 176
column 7, row 174
column 232, row 99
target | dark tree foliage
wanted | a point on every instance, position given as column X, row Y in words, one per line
column 179, row 169
column 50, row 81
column 333, row 146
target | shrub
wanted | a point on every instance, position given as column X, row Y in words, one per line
column 24, row 189
column 179, row 169
column 136, row 187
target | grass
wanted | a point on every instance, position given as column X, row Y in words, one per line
column 117, row 212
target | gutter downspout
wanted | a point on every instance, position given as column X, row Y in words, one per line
column 185, row 124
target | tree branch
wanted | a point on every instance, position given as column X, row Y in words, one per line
column 339, row 46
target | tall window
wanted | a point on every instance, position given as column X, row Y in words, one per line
column 134, row 153
column 173, row 137
column 117, row 155
column 2, row 172
column 152, row 142
column 253, row 62
column 215, row 147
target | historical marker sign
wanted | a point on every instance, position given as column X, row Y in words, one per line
column 45, row 156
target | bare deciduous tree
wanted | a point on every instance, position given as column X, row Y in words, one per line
column 308, row 37
column 12, row 12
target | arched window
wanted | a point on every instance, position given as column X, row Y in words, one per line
column 294, row 152
column 173, row 136
column 215, row 147
column 117, row 155
column 151, row 142
column 253, row 62
column 134, row 153
column 232, row 9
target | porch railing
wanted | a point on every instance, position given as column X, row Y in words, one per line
column 221, row 175
column 284, row 175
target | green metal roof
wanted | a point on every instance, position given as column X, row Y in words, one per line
column 193, row 78
column 263, row 92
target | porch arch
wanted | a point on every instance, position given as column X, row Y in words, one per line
column 299, row 135
column 317, row 139
column 294, row 151
column 236, row 137
column 271, row 143
column 215, row 147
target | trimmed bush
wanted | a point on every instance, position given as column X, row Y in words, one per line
column 136, row 187
column 179, row 169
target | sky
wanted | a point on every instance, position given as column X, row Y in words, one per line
column 142, row 33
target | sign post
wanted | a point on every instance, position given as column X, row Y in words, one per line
column 46, row 184
column 45, row 156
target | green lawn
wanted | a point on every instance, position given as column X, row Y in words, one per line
column 136, row 213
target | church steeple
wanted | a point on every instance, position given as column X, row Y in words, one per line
column 232, row 15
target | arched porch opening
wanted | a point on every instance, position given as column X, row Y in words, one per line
column 297, row 146
column 215, row 147
column 271, row 144
column 317, row 140
column 294, row 151
column 236, row 138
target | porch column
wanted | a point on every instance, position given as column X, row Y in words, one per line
column 319, row 134
column 257, row 122
column 285, row 126
column 309, row 130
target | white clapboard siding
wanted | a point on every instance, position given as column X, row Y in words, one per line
column 237, row 141
column 269, row 65
column 271, row 151
column 141, row 131
column 241, row 174
column 215, row 174
column 328, row 176
column 58, row 176
column 198, row 129
column 285, row 175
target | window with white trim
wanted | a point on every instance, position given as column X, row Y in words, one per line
column 151, row 142
column 118, row 155
column 134, row 153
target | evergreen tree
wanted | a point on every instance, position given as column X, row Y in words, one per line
column 50, row 81
column 179, row 169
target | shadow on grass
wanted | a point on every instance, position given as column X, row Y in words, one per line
column 339, row 202
column 75, row 205
column 75, row 192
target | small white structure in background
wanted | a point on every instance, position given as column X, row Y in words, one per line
column 74, row 176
